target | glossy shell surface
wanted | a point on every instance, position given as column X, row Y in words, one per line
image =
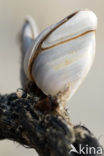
column 62, row 54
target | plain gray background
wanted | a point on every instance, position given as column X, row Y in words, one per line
column 87, row 105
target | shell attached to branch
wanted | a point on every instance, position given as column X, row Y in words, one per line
column 61, row 56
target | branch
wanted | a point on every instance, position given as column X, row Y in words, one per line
column 49, row 133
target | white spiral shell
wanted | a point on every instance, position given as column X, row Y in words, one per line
column 62, row 54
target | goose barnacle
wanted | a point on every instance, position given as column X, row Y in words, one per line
column 61, row 55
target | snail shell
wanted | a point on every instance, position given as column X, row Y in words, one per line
column 62, row 55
